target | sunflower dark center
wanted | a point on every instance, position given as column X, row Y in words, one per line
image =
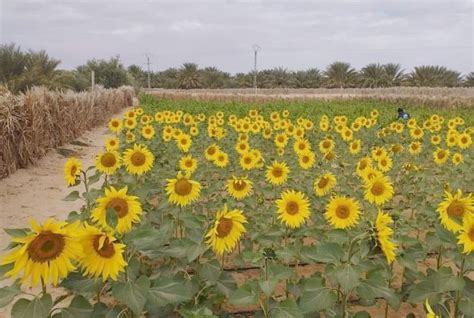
column 292, row 208
column 363, row 165
column 305, row 159
column 224, row 227
column 184, row 141
column 464, row 140
column 277, row 172
column 46, row 246
column 377, row 188
column 281, row 139
column 247, row 160
column 188, row 163
column 323, row 182
column 239, row 185
column 326, row 144
column 138, row 159
column 108, row 160
column 107, row 250
column 342, row 212
column 183, row 187
column 73, row 170
column 301, row 146
column 456, row 208
column 119, row 205
column 211, row 151
column 441, row 155
column 115, row 123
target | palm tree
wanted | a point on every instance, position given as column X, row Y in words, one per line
column 212, row 77
column 188, row 76
column 340, row 75
column 373, row 75
column 469, row 80
column 434, row 76
column 394, row 75
column 279, row 78
column 308, row 79
column 242, row 80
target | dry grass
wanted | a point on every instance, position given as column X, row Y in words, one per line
column 38, row 120
column 425, row 96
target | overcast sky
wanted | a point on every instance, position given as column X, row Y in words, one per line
column 296, row 34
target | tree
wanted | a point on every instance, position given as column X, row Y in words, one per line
column 278, row 78
column 434, row 76
column 242, row 80
column 340, row 75
column 469, row 80
column 108, row 73
column 166, row 79
column 394, row 75
column 139, row 75
column 188, row 76
column 373, row 75
column 21, row 70
column 308, row 79
column 212, row 77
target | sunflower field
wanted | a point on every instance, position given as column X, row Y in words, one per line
column 286, row 209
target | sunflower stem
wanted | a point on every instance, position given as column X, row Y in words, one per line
column 223, row 260
column 389, row 284
column 86, row 186
column 440, row 257
column 43, row 286
column 458, row 293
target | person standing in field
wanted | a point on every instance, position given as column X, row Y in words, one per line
column 402, row 114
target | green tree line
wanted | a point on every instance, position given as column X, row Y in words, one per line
column 20, row 70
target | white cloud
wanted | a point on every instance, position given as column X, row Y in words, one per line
column 186, row 25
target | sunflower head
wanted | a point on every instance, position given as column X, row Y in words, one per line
column 138, row 159
column 277, row 173
column 342, row 212
column 182, row 190
column 466, row 234
column 108, row 162
column 293, row 208
column 378, row 190
column 324, row 184
column 239, row 187
column 72, row 170
column 453, row 209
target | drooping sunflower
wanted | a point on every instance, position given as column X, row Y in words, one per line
column 148, row 132
column 440, row 156
column 371, row 173
column 378, row 190
column 384, row 235
column 239, row 187
column 72, row 170
column 307, row 160
column 227, row 230
column 112, row 143
column 127, row 208
column 182, row 190
column 108, row 162
column 103, row 255
column 342, row 212
column 277, row 173
column 293, row 208
column 47, row 253
column 324, row 184
column 138, row 159
column 188, row 163
column 115, row 125
column 363, row 165
column 466, row 234
column 453, row 209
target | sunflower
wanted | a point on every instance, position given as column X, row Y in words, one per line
column 277, row 173
column 148, row 132
column 103, row 255
column 384, row 234
column 440, row 156
column 239, row 187
column 363, row 165
column 324, row 184
column 45, row 254
column 242, row 147
column 115, row 125
column 466, row 234
column 464, row 140
column 130, row 123
column 301, row 146
column 378, row 153
column 248, row 161
column 355, row 146
column 414, row 148
column 378, row 190
column 371, row 173
column 111, row 143
column 129, row 137
column 453, row 209
column 435, row 139
column 416, row 133
column 108, row 162
column 72, row 170
column 127, row 208
column 457, row 158
column 184, row 142
column 182, row 190
column 293, row 208
column 306, row 160
column 188, row 163
column 342, row 212
column 385, row 163
column 227, row 230
column 138, row 159
column 326, row 145
column 397, row 148
column 211, row 152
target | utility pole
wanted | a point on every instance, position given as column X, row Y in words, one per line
column 148, row 70
column 256, row 48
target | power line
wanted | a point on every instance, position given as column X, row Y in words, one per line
column 255, row 48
